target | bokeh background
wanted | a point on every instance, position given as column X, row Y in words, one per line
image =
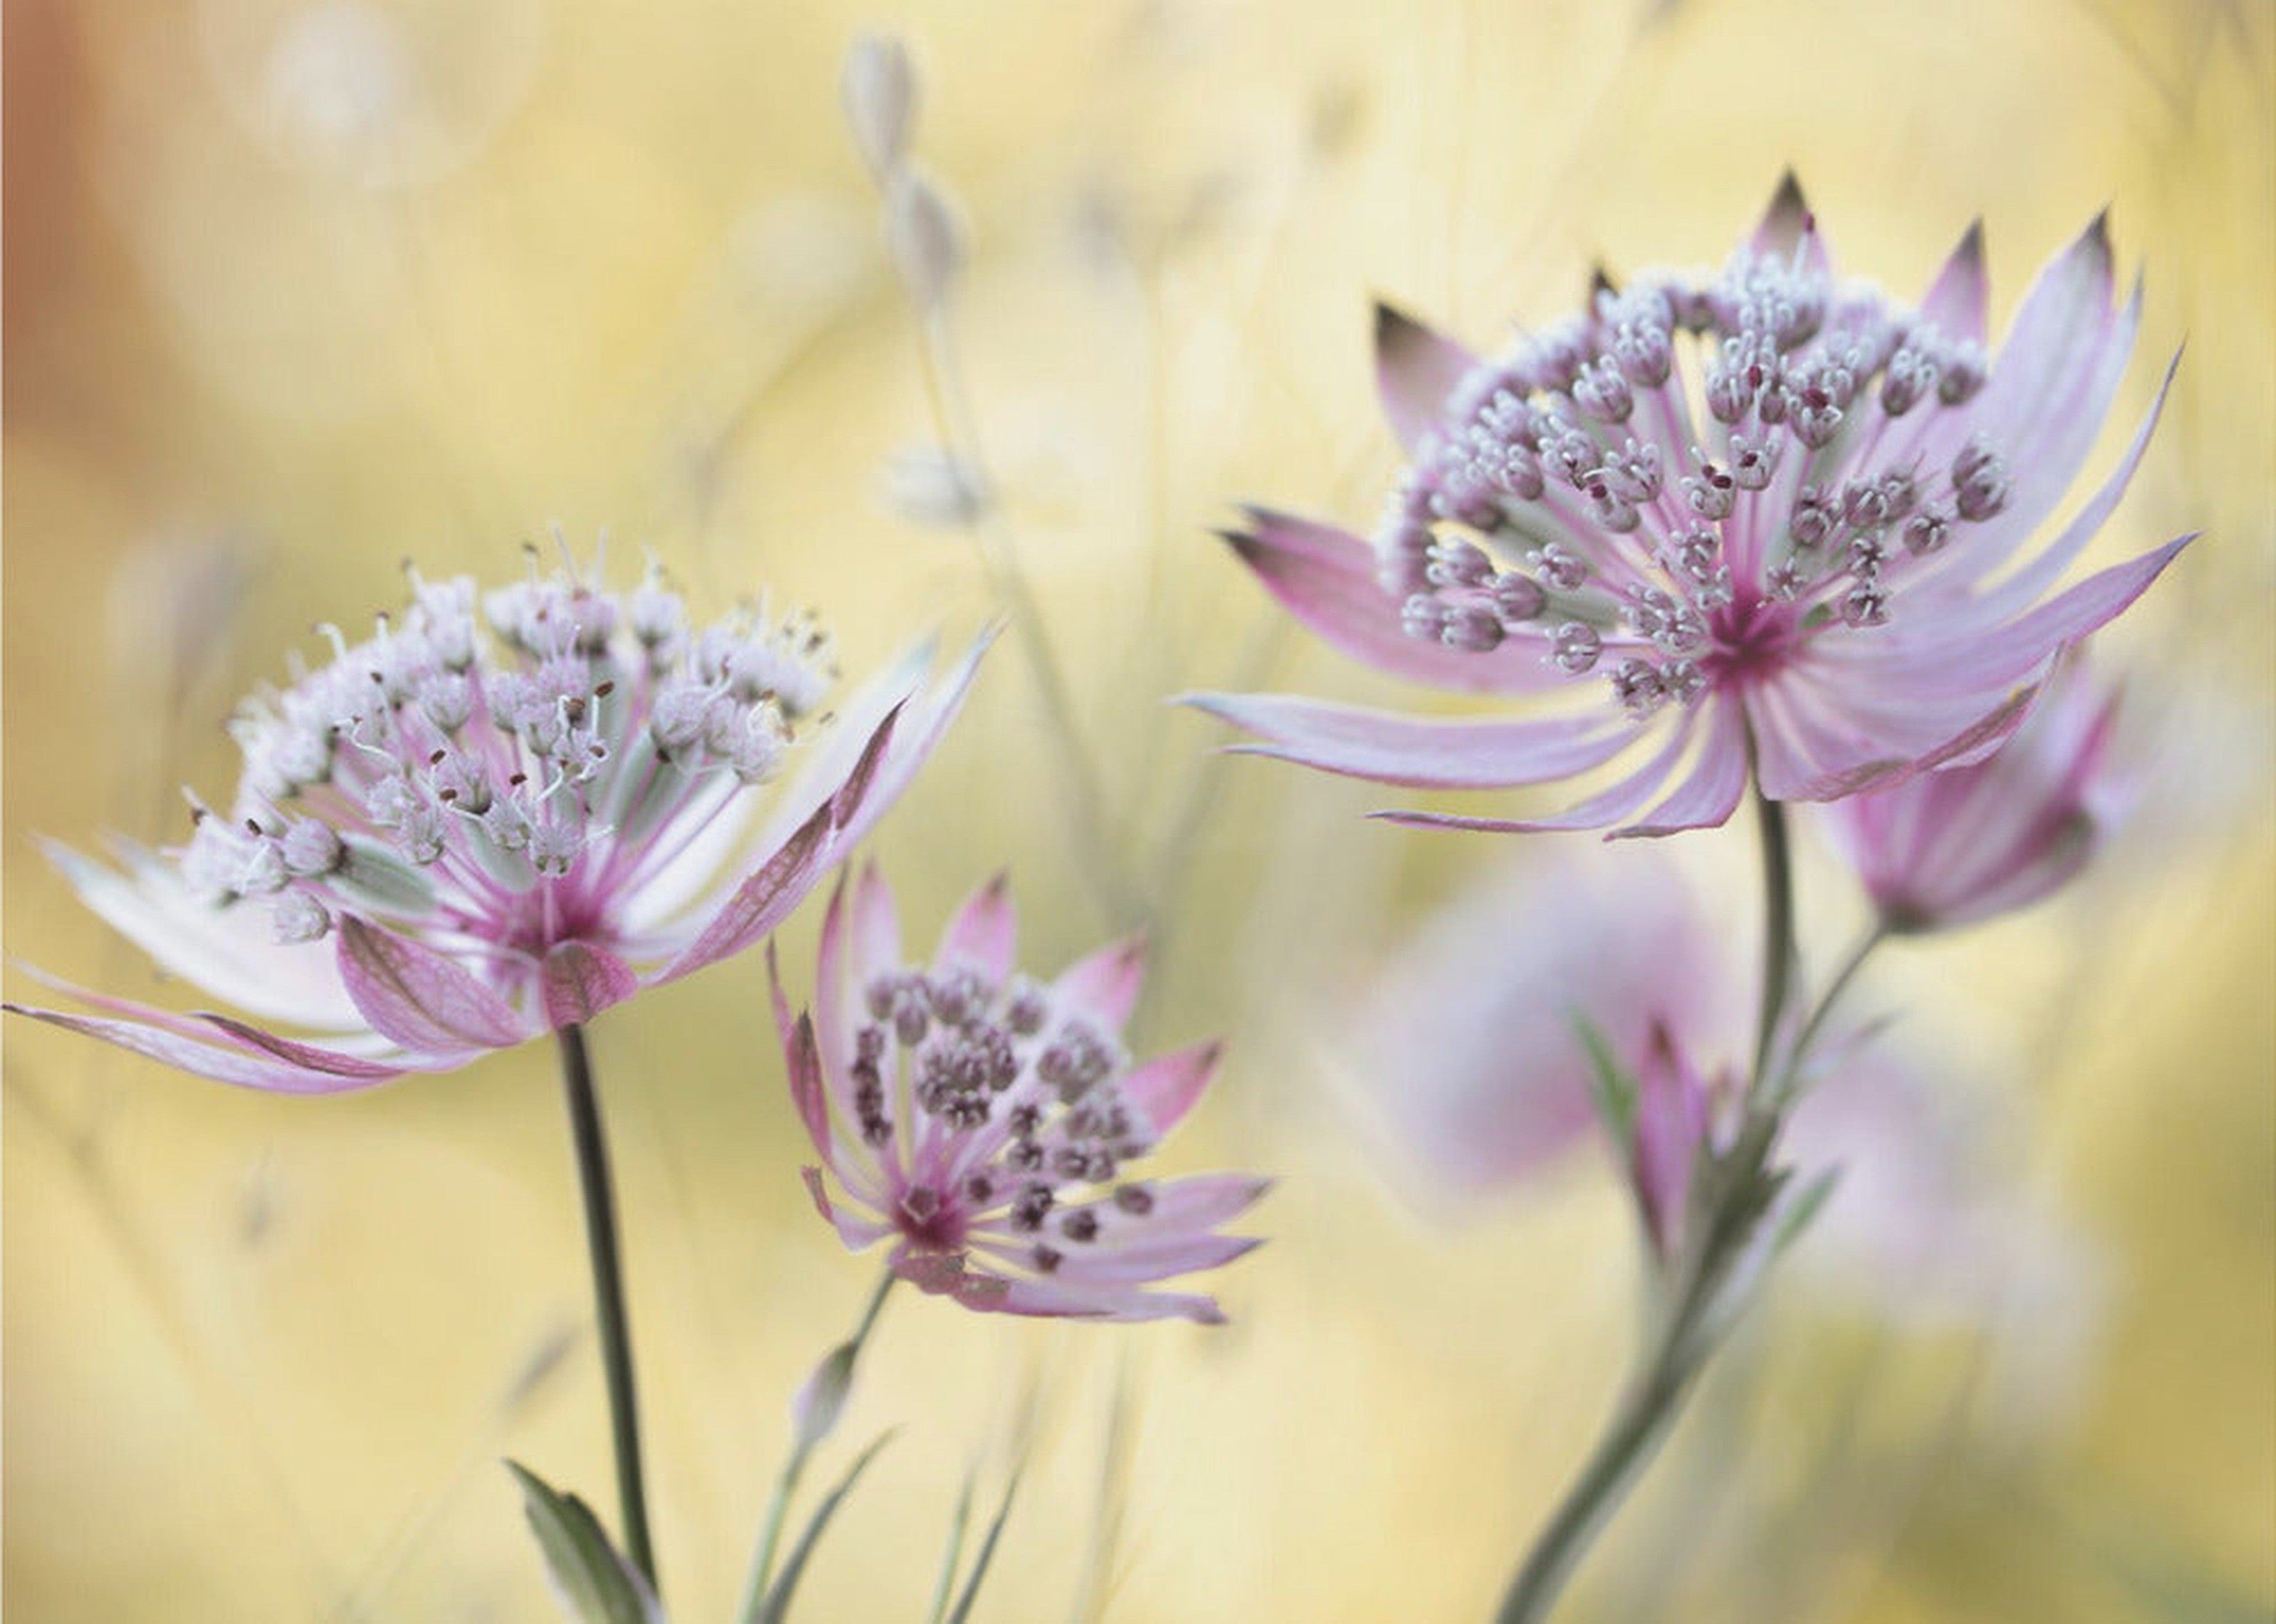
column 298, row 288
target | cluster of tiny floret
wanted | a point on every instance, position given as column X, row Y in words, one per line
column 1565, row 498
column 1030, row 1105
column 483, row 746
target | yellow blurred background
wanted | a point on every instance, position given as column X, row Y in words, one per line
column 296, row 289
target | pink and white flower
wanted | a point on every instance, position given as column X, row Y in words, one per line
column 1473, row 1065
column 1473, row 1037
column 988, row 1124
column 1968, row 843
column 1782, row 528
column 447, row 841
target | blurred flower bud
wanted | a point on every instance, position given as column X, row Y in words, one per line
column 1963, row 844
column 821, row 1398
column 929, row 485
column 879, row 89
column 927, row 241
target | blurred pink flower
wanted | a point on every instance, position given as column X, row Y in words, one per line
column 1801, row 587
column 984, row 1121
column 500, row 835
column 1474, row 1064
column 1472, row 1043
column 1965, row 844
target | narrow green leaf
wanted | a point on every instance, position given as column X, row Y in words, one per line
column 593, row 1583
column 987, row 1552
column 1798, row 1217
column 946, row 1586
column 778, row 1606
column 1613, row 1089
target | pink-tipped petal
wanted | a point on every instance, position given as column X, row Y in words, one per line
column 1955, row 301
column 1165, row 1089
column 1671, row 1125
column 806, row 1086
column 984, row 933
column 1707, row 798
column 418, row 997
column 846, row 805
column 1197, row 1202
column 1103, row 989
column 1142, row 1261
column 857, row 1233
column 916, row 735
column 1415, row 370
column 1622, row 799
column 1788, row 223
column 763, row 901
column 229, row 953
column 877, row 928
column 1424, row 752
column 1327, row 579
column 223, row 1064
column 2060, row 321
column 1123, row 1304
column 315, row 1057
column 579, row 981
column 2029, row 583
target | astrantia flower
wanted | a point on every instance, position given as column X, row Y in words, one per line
column 1952, row 847
column 1760, row 517
column 499, row 815
column 990, row 1124
column 1472, row 1043
column 1471, row 1055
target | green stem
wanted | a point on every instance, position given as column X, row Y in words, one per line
column 607, row 1294
column 1790, row 1074
column 1777, row 931
column 958, row 430
column 1681, row 1343
column 802, row 1446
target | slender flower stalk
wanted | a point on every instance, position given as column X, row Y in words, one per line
column 590, row 1139
column 880, row 94
column 813, row 1414
column 1739, row 1190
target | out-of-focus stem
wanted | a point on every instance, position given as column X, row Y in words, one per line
column 1683, row 1336
column 1790, row 1073
column 958, row 430
column 615, row 1327
column 802, row 1446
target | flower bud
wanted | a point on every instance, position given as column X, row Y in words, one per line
column 928, row 243
column 879, row 90
column 821, row 1398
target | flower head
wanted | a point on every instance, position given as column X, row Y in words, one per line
column 1478, row 1040
column 501, row 814
column 1768, row 523
column 1966, row 843
column 988, row 1125
column 1476, row 1044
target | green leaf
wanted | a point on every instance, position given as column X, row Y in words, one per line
column 987, row 1552
column 1797, row 1217
column 945, row 1587
column 1613, row 1089
column 593, row 1583
column 778, row 1604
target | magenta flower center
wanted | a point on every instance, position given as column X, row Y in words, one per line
column 502, row 777
column 1677, row 488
